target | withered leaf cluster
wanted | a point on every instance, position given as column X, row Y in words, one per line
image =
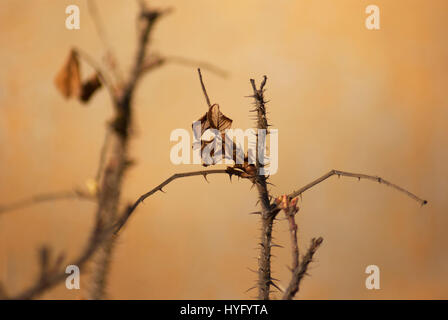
column 215, row 119
column 68, row 80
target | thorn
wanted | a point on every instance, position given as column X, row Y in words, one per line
column 275, row 286
column 205, row 177
column 161, row 190
column 252, row 270
column 250, row 289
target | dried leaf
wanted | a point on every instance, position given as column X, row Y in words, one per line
column 89, row 87
column 68, row 80
column 215, row 119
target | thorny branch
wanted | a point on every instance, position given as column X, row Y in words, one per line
column 107, row 225
column 51, row 276
column 289, row 207
column 267, row 214
column 110, row 171
column 359, row 176
column 118, row 162
column 300, row 271
column 130, row 209
column 99, row 235
column 288, row 204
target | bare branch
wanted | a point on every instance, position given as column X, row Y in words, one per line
column 118, row 162
column 147, row 19
column 51, row 273
column 207, row 99
column 46, row 197
column 102, row 237
column 289, row 206
column 130, row 209
column 359, row 176
column 299, row 272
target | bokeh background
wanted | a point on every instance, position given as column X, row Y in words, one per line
column 341, row 96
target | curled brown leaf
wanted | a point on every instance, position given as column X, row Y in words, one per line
column 68, row 79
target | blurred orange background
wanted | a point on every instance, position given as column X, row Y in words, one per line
column 342, row 97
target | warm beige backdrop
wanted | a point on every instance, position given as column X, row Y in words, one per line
column 341, row 96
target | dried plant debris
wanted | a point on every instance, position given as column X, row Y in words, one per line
column 89, row 87
column 68, row 80
column 215, row 119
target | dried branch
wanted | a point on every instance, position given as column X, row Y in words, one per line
column 267, row 214
column 359, row 176
column 110, row 171
column 289, row 207
column 130, row 209
column 50, row 274
column 207, row 99
column 118, row 162
column 46, row 197
column 299, row 272
column 147, row 19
